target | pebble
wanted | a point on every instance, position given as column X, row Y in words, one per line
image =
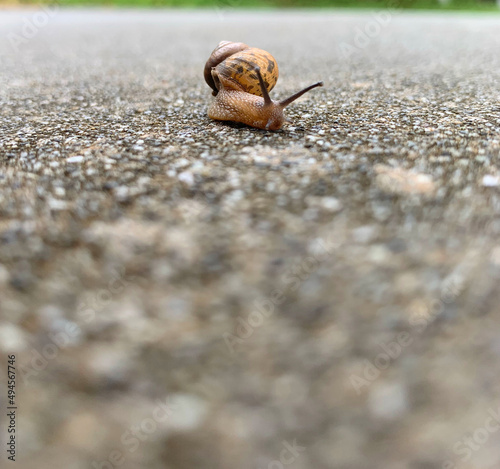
column 188, row 412
column 379, row 254
column 57, row 205
column 12, row 338
column 75, row 159
column 186, row 177
column 401, row 181
column 388, row 400
column 490, row 180
column 182, row 163
column 106, row 364
column 365, row 234
column 331, row 204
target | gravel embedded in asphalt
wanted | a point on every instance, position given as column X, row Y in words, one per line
column 187, row 293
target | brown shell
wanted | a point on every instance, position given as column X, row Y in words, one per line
column 220, row 53
column 239, row 67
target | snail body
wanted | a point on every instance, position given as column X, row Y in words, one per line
column 241, row 78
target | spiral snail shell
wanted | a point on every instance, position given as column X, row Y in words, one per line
column 241, row 78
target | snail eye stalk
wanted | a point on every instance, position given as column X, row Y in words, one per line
column 265, row 93
column 297, row 95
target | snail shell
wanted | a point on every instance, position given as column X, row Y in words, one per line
column 236, row 62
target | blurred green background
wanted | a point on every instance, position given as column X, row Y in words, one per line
column 488, row 5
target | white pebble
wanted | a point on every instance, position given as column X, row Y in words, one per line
column 12, row 338
column 489, row 180
column 182, row 163
column 186, row 177
column 74, row 159
column 388, row 401
column 364, row 234
column 188, row 411
column 56, row 204
column 331, row 204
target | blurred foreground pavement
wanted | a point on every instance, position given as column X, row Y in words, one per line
column 181, row 293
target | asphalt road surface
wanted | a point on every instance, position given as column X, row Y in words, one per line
column 180, row 293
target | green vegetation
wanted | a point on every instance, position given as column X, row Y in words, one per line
column 485, row 5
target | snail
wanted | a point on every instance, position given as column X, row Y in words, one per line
column 241, row 78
